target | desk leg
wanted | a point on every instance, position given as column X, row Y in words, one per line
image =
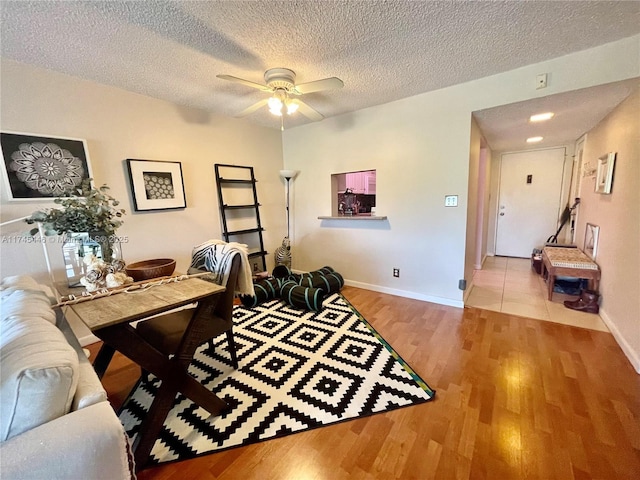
column 172, row 372
column 152, row 424
column 101, row 363
column 551, row 278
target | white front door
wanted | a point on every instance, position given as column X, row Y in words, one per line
column 529, row 200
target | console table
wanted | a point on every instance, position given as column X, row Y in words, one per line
column 568, row 262
column 109, row 319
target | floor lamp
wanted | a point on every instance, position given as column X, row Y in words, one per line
column 283, row 253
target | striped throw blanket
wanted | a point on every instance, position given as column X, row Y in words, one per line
column 216, row 257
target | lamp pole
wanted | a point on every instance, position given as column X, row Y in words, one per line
column 283, row 253
column 287, row 206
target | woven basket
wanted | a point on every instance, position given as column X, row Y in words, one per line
column 146, row 269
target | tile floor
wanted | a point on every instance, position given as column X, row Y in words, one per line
column 510, row 285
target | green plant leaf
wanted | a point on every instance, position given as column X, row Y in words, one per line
column 88, row 210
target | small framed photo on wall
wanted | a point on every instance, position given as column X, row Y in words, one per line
column 591, row 240
column 38, row 167
column 604, row 177
column 156, row 185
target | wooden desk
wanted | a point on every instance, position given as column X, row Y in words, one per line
column 109, row 319
column 568, row 262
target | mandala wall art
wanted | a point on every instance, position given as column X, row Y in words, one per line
column 37, row 167
column 156, row 185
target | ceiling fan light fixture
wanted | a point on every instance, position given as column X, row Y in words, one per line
column 275, row 106
column 292, row 107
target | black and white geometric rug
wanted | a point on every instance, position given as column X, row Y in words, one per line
column 298, row 370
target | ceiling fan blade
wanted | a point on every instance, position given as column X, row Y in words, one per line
column 253, row 108
column 264, row 88
column 307, row 111
column 332, row 83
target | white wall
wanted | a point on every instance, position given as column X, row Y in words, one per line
column 420, row 149
column 618, row 216
column 487, row 153
column 118, row 125
column 473, row 220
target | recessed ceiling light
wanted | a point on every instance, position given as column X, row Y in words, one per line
column 534, row 139
column 541, row 117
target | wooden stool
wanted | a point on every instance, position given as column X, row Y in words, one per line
column 569, row 262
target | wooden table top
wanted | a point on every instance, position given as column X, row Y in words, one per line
column 137, row 304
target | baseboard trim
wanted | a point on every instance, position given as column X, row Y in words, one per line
column 403, row 293
column 467, row 292
column 631, row 354
column 88, row 340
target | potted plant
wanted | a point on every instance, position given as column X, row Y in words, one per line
column 88, row 218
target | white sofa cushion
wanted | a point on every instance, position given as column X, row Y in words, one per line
column 39, row 373
column 27, row 304
column 89, row 444
column 90, row 390
column 28, row 284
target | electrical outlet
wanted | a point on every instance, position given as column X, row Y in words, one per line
column 541, row 81
column 396, row 272
column 451, row 200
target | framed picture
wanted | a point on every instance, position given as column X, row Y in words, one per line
column 591, row 240
column 156, row 185
column 38, row 167
column 604, row 177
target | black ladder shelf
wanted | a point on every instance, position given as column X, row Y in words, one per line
column 237, row 180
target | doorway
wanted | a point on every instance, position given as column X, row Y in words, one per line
column 529, row 200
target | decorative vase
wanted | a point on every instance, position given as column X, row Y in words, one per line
column 78, row 245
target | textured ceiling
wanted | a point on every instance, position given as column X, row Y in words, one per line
column 382, row 50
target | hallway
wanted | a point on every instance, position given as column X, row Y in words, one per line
column 511, row 286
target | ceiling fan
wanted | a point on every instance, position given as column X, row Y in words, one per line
column 281, row 83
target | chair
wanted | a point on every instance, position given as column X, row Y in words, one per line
column 166, row 331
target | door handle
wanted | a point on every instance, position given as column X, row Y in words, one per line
column 502, row 214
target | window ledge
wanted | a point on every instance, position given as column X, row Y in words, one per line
column 354, row 217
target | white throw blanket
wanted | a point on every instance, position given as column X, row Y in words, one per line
column 216, row 257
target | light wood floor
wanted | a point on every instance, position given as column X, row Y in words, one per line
column 516, row 398
column 510, row 285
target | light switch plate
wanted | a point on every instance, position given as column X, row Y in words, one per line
column 451, row 200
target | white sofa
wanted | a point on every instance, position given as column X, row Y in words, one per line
column 55, row 419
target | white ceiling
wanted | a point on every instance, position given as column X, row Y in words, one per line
column 507, row 127
column 383, row 50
